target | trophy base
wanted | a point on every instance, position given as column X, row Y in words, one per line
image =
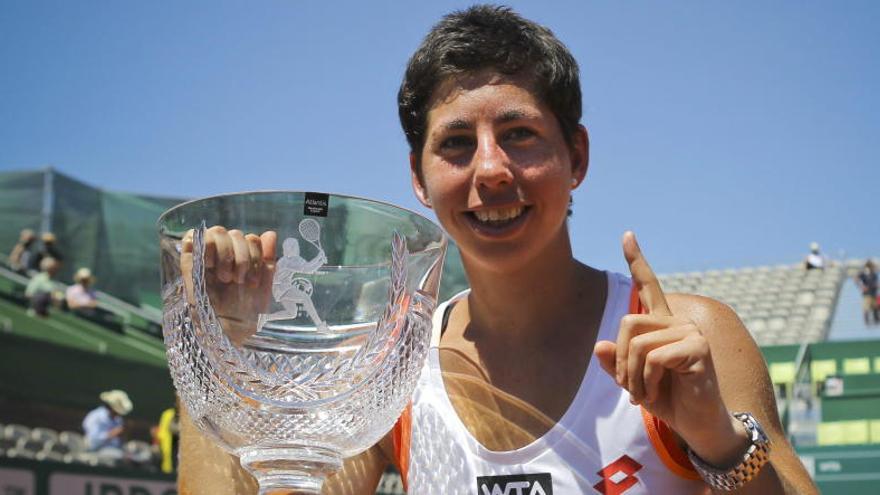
column 296, row 469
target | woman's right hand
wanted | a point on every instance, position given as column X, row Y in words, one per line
column 238, row 273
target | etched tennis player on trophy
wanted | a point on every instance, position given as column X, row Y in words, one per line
column 297, row 361
column 291, row 291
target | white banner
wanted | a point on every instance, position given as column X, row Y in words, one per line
column 86, row 484
column 17, row 482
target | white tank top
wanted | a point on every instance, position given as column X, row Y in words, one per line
column 602, row 444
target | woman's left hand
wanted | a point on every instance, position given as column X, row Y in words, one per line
column 665, row 362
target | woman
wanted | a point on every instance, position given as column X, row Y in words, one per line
column 512, row 399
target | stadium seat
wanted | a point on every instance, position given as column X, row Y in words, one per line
column 50, row 454
column 390, row 484
column 26, row 448
column 822, row 368
column 56, row 447
column 16, row 431
column 874, row 426
column 44, row 434
column 139, row 451
column 74, row 441
column 6, row 444
column 856, row 366
column 88, row 458
column 782, row 304
column 783, row 372
column 853, row 432
column 105, row 461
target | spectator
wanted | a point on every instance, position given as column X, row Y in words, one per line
column 20, row 257
column 167, row 436
column 48, row 249
column 815, row 260
column 80, row 295
column 40, row 289
column 82, row 300
column 104, row 427
column 867, row 282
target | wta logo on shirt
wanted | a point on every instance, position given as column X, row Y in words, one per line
column 515, row 484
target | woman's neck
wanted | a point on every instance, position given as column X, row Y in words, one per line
column 548, row 291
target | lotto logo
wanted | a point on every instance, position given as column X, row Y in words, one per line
column 517, row 484
column 617, row 477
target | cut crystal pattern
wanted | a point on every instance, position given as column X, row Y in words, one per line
column 306, row 400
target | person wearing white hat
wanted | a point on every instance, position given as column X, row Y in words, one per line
column 104, row 426
column 81, row 295
column 82, row 299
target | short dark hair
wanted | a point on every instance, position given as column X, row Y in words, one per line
column 489, row 37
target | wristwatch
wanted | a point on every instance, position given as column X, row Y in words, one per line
column 753, row 459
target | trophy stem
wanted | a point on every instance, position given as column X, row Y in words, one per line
column 290, row 469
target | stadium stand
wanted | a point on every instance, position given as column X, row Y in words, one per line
column 782, row 304
column 114, row 233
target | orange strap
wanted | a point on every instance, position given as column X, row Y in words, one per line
column 662, row 438
column 401, row 435
column 666, row 444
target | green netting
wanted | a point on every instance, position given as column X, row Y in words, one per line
column 132, row 244
column 77, row 222
column 112, row 233
column 21, row 202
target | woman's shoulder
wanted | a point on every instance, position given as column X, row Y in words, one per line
column 724, row 331
column 702, row 309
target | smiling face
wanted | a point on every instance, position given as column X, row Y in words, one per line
column 498, row 171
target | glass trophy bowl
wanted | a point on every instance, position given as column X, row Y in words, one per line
column 308, row 354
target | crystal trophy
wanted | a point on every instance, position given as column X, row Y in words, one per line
column 312, row 355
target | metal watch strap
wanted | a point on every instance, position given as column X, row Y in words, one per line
column 753, row 459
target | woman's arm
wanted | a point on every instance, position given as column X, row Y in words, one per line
column 692, row 364
column 745, row 386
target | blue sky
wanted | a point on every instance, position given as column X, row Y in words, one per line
column 725, row 134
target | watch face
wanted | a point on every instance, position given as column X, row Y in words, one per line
column 753, row 427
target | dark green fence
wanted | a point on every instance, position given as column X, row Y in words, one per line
column 42, row 372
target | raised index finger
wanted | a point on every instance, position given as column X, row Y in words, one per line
column 643, row 276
